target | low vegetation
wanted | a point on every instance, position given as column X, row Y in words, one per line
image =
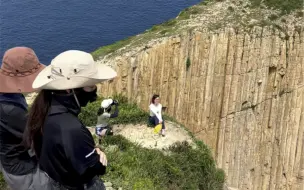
column 188, row 63
column 134, row 167
column 285, row 6
column 112, row 47
column 2, row 182
column 128, row 113
column 137, row 168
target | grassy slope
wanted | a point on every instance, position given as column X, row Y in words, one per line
column 285, row 6
column 171, row 27
column 134, row 167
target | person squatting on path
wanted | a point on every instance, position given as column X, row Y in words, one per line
column 20, row 170
column 156, row 113
column 104, row 114
column 64, row 146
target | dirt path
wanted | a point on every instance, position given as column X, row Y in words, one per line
column 145, row 136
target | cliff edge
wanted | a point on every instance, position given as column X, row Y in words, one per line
column 233, row 73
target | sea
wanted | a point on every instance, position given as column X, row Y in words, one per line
column 53, row 26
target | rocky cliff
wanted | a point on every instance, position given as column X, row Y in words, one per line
column 241, row 91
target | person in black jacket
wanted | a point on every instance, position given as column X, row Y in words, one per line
column 64, row 146
column 19, row 68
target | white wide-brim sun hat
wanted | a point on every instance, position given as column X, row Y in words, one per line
column 72, row 69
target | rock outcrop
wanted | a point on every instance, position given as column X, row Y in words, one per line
column 235, row 77
column 242, row 93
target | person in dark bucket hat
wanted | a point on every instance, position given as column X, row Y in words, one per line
column 19, row 167
column 19, row 68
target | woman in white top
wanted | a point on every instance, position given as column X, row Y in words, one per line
column 156, row 113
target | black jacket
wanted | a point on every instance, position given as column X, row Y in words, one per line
column 68, row 153
column 14, row 157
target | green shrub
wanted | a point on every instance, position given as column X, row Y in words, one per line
column 154, row 28
column 128, row 113
column 285, row 6
column 205, row 2
column 104, row 50
column 171, row 22
column 231, row 9
column 273, row 17
column 163, row 31
column 188, row 63
column 184, row 14
column 299, row 14
column 2, row 181
column 134, row 167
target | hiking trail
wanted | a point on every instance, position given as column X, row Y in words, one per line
column 145, row 136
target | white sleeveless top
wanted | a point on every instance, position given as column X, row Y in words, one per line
column 156, row 111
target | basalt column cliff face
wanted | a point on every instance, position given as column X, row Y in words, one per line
column 241, row 93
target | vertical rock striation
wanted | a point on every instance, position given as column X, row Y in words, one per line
column 243, row 95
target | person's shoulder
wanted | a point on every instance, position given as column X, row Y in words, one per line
column 9, row 108
column 12, row 111
column 66, row 121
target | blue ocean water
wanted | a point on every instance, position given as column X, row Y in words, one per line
column 53, row 26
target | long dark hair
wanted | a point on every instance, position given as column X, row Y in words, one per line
column 154, row 97
column 36, row 118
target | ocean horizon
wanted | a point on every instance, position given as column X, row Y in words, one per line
column 51, row 27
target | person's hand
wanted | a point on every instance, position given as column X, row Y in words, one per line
column 160, row 122
column 115, row 102
column 103, row 157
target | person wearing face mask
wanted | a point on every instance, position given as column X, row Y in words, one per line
column 64, row 146
column 19, row 167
